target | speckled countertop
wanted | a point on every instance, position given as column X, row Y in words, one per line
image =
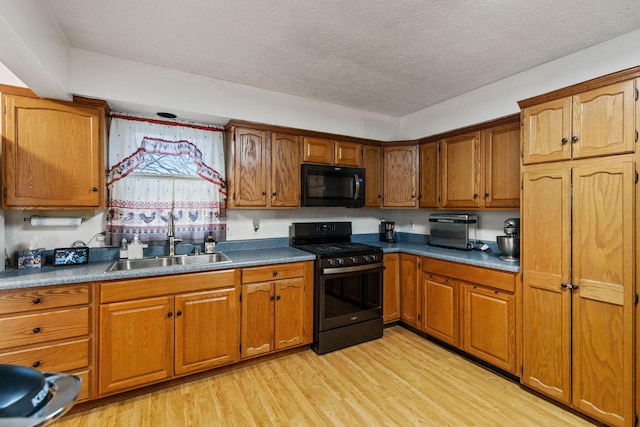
column 243, row 254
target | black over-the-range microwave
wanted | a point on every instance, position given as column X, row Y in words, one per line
column 324, row 185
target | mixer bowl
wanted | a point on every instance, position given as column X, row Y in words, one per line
column 510, row 247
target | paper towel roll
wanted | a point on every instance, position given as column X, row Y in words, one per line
column 38, row 221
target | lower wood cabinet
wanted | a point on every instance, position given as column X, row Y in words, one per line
column 50, row 329
column 391, row 288
column 440, row 308
column 409, row 290
column 489, row 325
column 155, row 328
column 277, row 308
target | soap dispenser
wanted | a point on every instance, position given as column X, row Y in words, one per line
column 209, row 244
column 135, row 248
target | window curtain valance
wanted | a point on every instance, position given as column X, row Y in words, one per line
column 157, row 167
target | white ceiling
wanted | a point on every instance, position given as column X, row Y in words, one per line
column 392, row 57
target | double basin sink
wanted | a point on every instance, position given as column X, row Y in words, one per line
column 167, row 261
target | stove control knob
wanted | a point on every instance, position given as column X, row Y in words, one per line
column 332, row 261
column 367, row 258
column 354, row 259
column 374, row 257
column 340, row 261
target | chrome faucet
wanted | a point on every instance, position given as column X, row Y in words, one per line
column 171, row 235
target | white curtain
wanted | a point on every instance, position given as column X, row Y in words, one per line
column 157, row 167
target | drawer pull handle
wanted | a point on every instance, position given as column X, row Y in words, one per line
column 36, row 301
column 36, row 364
column 275, row 273
column 36, row 330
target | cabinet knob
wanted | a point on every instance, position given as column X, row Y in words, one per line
column 36, row 364
column 568, row 286
column 272, row 297
column 275, row 273
column 36, row 301
column 36, row 330
column 413, row 196
column 486, row 195
column 565, row 140
column 264, row 193
column 379, row 196
column 273, row 194
column 278, row 297
column 169, row 314
column 475, row 195
column 178, row 313
column 574, row 138
column 94, row 189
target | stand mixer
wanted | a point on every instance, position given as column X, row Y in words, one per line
column 509, row 245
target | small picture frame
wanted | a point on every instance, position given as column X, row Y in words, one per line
column 29, row 259
column 70, row 256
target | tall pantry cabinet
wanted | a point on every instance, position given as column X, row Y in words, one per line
column 578, row 213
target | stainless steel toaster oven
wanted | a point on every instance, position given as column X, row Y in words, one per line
column 457, row 231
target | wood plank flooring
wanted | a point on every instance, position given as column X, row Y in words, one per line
column 399, row 380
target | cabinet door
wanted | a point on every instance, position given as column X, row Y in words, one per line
column 372, row 162
column 250, row 174
column 429, row 173
column 440, row 308
column 285, row 171
column 348, row 154
column 289, row 313
column 501, row 151
column 318, row 150
column 604, row 121
column 546, row 132
column 489, row 326
column 409, row 295
column 545, row 262
column 53, row 155
column 460, row 171
column 391, row 288
column 400, row 176
column 257, row 319
column 603, row 271
column 136, row 343
column 206, row 330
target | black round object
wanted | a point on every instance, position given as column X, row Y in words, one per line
column 23, row 391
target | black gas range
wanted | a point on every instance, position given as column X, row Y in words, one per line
column 348, row 285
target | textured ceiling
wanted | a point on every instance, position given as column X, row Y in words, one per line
column 392, row 57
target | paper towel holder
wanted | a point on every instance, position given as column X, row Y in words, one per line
column 53, row 221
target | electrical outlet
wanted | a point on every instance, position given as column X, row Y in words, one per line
column 411, row 225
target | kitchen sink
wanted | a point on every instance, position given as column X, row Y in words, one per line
column 167, row 261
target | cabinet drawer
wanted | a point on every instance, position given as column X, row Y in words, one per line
column 16, row 301
column 86, row 385
column 60, row 357
column 272, row 272
column 41, row 327
column 468, row 273
column 125, row 290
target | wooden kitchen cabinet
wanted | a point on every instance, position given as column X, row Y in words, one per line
column 410, row 290
column 264, row 169
column 460, row 171
column 578, row 269
column 52, row 154
column 331, row 152
column 391, row 288
column 440, row 307
column 277, row 308
column 348, row 154
column 372, row 162
column 429, row 195
column 488, row 318
column 593, row 123
column 50, row 329
column 500, row 173
column 153, row 329
column 400, row 177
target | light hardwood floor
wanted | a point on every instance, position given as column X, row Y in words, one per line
column 399, row 380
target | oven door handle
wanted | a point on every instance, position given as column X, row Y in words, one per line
column 352, row 268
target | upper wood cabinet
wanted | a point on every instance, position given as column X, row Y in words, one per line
column 460, row 171
column 429, row 194
column 372, row 162
column 52, row 154
column 500, row 173
column 264, row 169
column 331, row 152
column 400, row 177
column 593, row 123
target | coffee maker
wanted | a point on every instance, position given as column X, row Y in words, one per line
column 388, row 232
